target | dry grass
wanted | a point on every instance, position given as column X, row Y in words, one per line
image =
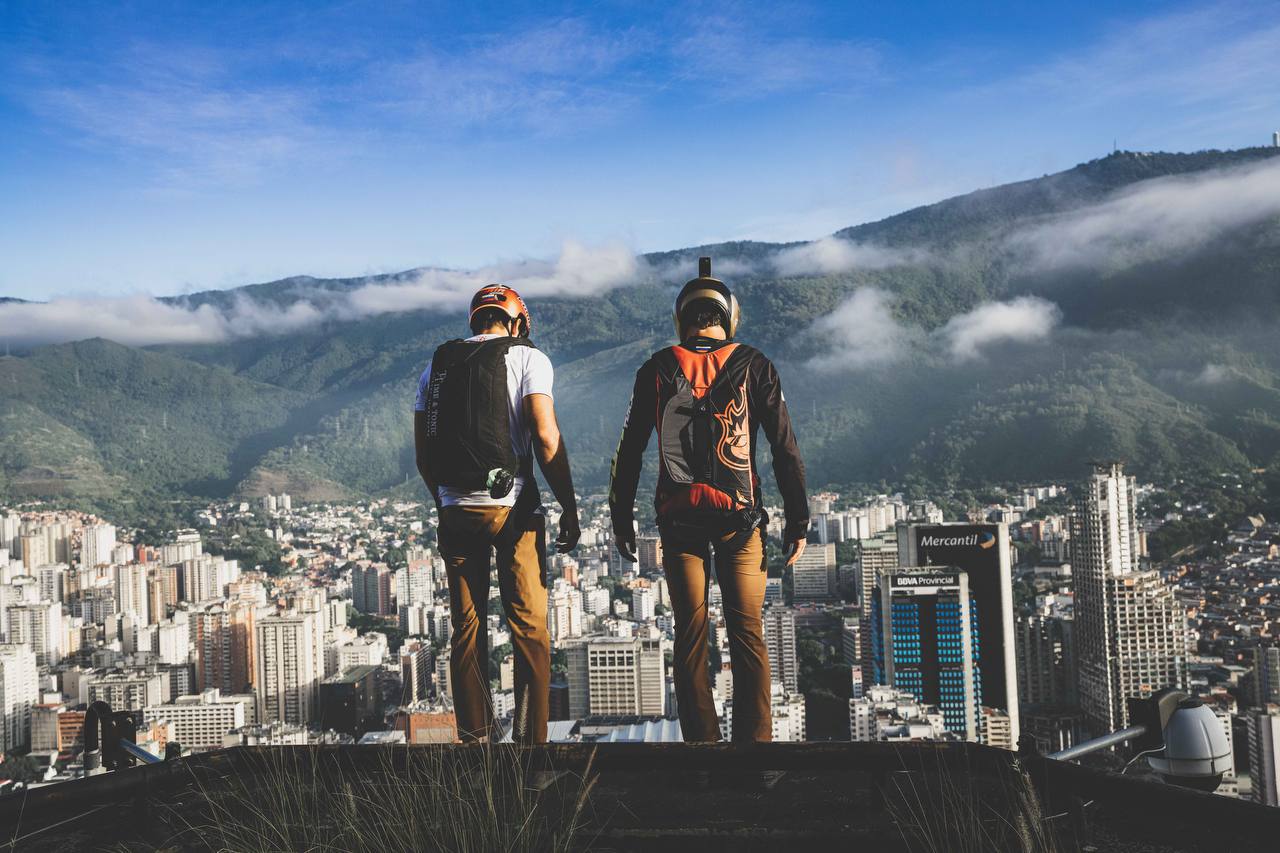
column 940, row 812
column 478, row 799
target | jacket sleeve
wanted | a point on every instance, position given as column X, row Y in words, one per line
column 628, row 460
column 770, row 409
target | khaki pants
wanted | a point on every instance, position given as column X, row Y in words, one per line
column 741, row 575
column 467, row 539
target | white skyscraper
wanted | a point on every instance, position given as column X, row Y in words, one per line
column 131, row 590
column 19, row 691
column 40, row 627
column 97, row 544
column 288, row 677
column 642, row 603
column 53, row 581
column 780, row 638
column 1130, row 631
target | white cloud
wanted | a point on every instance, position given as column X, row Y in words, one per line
column 833, row 255
column 860, row 333
column 1024, row 319
column 1154, row 218
column 1213, row 374
column 140, row 320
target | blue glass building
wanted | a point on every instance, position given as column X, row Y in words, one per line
column 925, row 641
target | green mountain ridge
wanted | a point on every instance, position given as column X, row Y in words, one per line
column 1166, row 358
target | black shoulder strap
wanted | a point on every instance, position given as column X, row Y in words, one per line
column 667, row 364
column 740, row 357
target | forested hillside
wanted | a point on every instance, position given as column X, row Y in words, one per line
column 1125, row 308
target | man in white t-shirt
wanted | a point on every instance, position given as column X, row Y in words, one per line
column 484, row 411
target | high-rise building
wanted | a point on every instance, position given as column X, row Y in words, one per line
column 416, row 667
column 876, row 556
column 200, row 721
column 925, row 636
column 289, row 663
column 613, row 675
column 96, row 544
column 19, row 692
column 130, row 690
column 1265, row 678
column 1045, row 647
column 373, row 589
column 642, row 603
column 564, row 613
column 415, row 583
column 40, row 627
column 1264, row 754
column 649, row 553
column 224, row 642
column 813, row 574
column 983, row 552
column 131, row 590
column 1130, row 631
column 53, row 582
column 780, row 639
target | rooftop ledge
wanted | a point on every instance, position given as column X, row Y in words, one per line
column 623, row 796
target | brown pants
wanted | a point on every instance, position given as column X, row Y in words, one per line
column 741, row 575
column 467, row 538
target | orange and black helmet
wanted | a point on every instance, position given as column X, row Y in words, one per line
column 708, row 291
column 505, row 299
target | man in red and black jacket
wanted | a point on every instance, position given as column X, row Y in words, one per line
column 705, row 398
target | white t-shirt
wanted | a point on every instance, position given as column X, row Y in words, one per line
column 529, row 372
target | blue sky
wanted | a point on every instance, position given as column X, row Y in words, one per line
column 163, row 148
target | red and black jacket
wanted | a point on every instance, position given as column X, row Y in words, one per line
column 706, row 399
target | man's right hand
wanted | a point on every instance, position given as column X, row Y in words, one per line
column 794, row 550
column 626, row 543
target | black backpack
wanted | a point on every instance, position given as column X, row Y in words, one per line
column 468, row 425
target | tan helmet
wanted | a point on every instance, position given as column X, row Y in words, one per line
column 714, row 291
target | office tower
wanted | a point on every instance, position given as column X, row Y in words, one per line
column 613, row 675
column 200, row 721
column 780, row 638
column 813, row 574
column 131, row 590
column 373, row 589
column 1130, row 631
column 40, row 627
column 642, row 604
column 96, row 544
column 1264, row 754
column 925, row 642
column 288, row 650
column 1046, row 665
column 982, row 551
column 19, row 692
column 1265, row 679
column 224, row 638
column 649, row 553
column 877, row 555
